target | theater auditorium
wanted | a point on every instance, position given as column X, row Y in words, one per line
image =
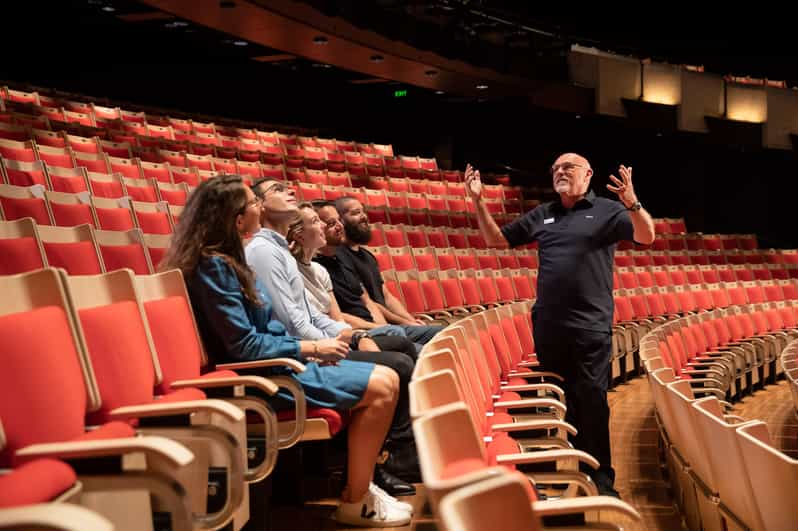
column 458, row 265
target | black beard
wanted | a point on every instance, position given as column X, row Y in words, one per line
column 357, row 235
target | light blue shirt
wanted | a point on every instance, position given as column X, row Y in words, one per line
column 268, row 255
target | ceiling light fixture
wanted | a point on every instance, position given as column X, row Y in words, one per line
column 240, row 43
column 320, row 40
column 481, row 86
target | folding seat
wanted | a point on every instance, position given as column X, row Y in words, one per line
column 69, row 210
column 661, row 226
column 24, row 173
column 375, row 198
column 789, row 288
column 174, row 194
column 201, row 162
column 679, row 258
column 436, row 202
column 190, row 176
column 123, row 250
column 315, row 158
column 660, row 276
column 14, row 132
column 641, row 258
column 253, row 170
column 108, row 186
column 734, row 257
column 396, row 200
column 417, row 186
column 416, row 236
column 502, row 280
column 309, row 191
column 753, row 256
column 698, row 257
column 378, row 183
column 331, row 193
column 270, row 171
column 20, row 246
column 502, row 500
column 81, row 144
column 446, row 258
column 452, row 176
column 715, row 257
column 53, row 156
column 524, row 282
column 527, row 258
column 397, row 215
column 487, row 259
column 472, row 297
column 456, row 238
column 125, row 166
column 18, row 151
column 203, row 128
column 437, row 237
column 475, row 239
column 377, row 235
column 112, row 214
column 728, row 242
column 776, row 271
column 457, row 220
column 424, row 258
column 126, row 367
column 73, row 249
column 18, row 202
column 414, row 293
column 507, row 259
column 383, row 256
column 401, row 258
column 623, row 259
column 660, row 257
column 152, row 217
column 46, row 138
column 711, row 274
column 339, row 178
column 49, row 422
column 466, row 259
column 754, row 292
column 140, row 189
column 644, row 277
column 627, row 278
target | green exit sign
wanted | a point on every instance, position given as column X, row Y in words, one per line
column 399, row 93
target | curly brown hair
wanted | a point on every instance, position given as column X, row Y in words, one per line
column 207, row 227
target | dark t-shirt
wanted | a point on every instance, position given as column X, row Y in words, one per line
column 575, row 252
column 365, row 266
column 346, row 286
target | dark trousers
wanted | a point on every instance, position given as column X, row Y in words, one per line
column 402, row 363
column 582, row 358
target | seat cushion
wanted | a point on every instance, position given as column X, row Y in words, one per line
column 502, row 444
column 38, row 481
column 333, row 418
column 110, row 430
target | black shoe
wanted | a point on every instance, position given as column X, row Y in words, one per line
column 606, row 487
column 392, row 484
column 402, row 462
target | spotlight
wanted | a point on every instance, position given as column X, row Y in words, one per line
column 481, row 87
column 240, row 43
column 320, row 40
column 108, row 9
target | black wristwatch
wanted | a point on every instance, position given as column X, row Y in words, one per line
column 635, row 207
column 356, row 337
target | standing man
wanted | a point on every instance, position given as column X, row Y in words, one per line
column 572, row 317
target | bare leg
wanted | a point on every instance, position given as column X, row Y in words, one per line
column 371, row 419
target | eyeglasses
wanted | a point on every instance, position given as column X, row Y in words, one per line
column 567, row 167
column 254, row 201
column 276, row 187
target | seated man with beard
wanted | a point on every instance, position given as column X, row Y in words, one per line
column 347, row 259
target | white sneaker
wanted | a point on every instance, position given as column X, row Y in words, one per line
column 371, row 511
column 380, row 493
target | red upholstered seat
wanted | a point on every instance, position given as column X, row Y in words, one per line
column 19, row 255
column 38, row 481
column 334, row 419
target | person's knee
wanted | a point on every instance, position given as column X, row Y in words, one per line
column 384, row 383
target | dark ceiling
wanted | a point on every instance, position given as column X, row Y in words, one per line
column 528, row 38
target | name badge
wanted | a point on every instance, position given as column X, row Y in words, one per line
column 548, row 220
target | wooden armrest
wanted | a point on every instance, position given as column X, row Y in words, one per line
column 536, row 374
column 536, row 387
column 56, row 516
column 294, row 365
column 533, row 402
column 172, row 452
column 542, row 424
column 221, row 407
column 584, row 504
column 258, row 382
column 547, row 456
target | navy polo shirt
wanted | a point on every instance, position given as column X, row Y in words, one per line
column 575, row 252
